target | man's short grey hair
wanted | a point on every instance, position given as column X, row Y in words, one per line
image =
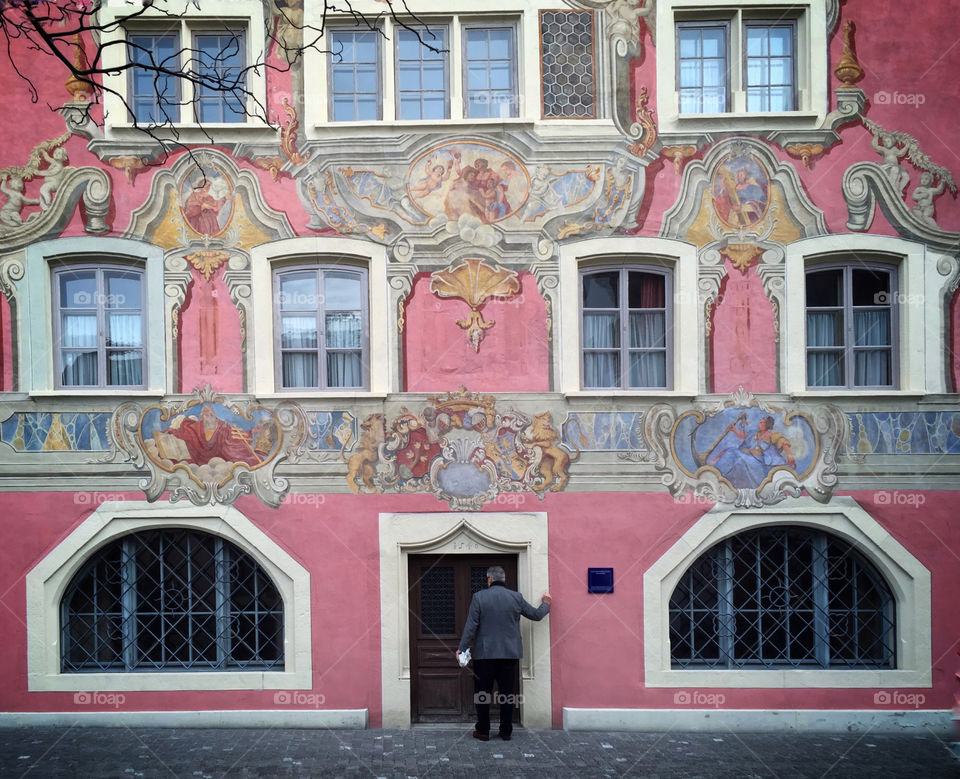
column 496, row 573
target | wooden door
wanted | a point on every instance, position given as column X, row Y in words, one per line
column 441, row 587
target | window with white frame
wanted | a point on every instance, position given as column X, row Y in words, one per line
column 99, row 326
column 321, row 327
column 743, row 63
column 851, row 325
column 171, row 599
column 783, row 596
column 431, row 77
column 625, row 325
column 217, row 60
column 709, row 69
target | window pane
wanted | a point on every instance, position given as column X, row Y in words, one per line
column 825, row 369
column 298, row 332
column 824, row 328
column 757, row 42
column 601, row 369
column 344, row 331
column 79, row 369
column 78, row 289
column 124, row 369
column 713, row 73
column 713, row 42
column 123, row 289
column 344, row 369
column 824, row 288
column 123, row 330
column 647, row 330
column 645, row 290
column 690, row 74
column 872, row 368
column 433, row 76
column 781, row 41
column 601, row 331
column 79, row 330
column 870, row 287
column 342, row 291
column 601, row 290
column 434, row 108
column 689, row 43
column 648, row 369
column 300, row 369
column 298, row 291
column 781, row 71
column 871, row 328
column 477, row 47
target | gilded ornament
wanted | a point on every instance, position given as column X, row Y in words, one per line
column 741, row 254
column 646, row 121
column 804, row 151
column 288, row 136
column 474, row 282
column 207, row 262
column 848, row 70
column 80, row 91
column 678, row 154
column 129, row 165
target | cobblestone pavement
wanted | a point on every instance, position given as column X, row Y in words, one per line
column 182, row 752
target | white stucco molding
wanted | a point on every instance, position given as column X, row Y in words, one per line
column 49, row 579
column 521, row 533
column 908, row 579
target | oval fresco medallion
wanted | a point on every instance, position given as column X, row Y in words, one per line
column 206, row 200
column 468, row 179
column 740, row 191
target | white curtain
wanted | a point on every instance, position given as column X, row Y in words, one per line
column 601, row 331
column 79, row 368
column 871, row 368
column 647, row 331
column 344, row 332
column 824, row 368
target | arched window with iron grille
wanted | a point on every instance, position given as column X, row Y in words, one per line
column 171, row 599
column 776, row 597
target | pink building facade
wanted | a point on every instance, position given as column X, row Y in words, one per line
column 654, row 303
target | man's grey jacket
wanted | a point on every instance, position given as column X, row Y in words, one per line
column 493, row 623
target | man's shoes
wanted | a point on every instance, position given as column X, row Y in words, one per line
column 505, row 736
column 481, row 736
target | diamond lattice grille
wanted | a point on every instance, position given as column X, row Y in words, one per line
column 171, row 600
column 776, row 597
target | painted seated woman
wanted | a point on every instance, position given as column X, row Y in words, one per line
column 746, row 465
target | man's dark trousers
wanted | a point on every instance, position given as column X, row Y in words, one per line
column 485, row 673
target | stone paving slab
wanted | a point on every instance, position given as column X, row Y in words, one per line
column 426, row 752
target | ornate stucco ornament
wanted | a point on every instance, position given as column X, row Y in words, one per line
column 208, row 450
column 848, row 70
column 804, row 151
column 648, row 126
column 746, row 452
column 207, row 262
column 474, row 282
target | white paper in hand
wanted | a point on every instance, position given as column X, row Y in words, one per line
column 463, row 658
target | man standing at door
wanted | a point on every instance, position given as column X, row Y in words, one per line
column 493, row 630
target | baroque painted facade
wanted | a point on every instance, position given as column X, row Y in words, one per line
column 665, row 289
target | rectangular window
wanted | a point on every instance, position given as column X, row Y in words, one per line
column 736, row 64
column 220, row 64
column 422, row 82
column 770, row 66
column 355, row 75
column 489, row 72
column 154, row 98
column 567, row 75
column 99, row 327
column 624, row 329
column 851, row 327
column 322, row 325
column 702, row 67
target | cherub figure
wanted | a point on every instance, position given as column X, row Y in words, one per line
column 542, row 195
column 53, row 175
column 891, row 154
column 924, row 194
column 16, row 200
column 436, row 175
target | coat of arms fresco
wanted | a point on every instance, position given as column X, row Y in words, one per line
column 462, row 449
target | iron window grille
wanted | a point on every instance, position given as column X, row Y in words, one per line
column 780, row 597
column 171, row 600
